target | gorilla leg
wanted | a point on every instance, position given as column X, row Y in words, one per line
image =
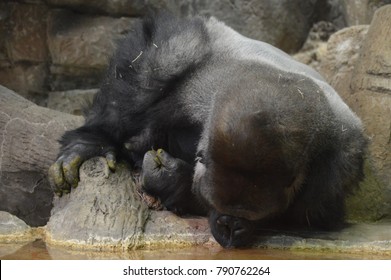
column 170, row 179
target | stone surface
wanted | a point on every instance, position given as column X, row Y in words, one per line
column 357, row 65
column 72, row 101
column 343, row 49
column 284, row 24
column 374, row 67
column 28, row 146
column 118, row 7
column 361, row 12
column 13, row 229
column 80, row 33
column 371, row 86
column 23, row 50
column 5, row 12
column 164, row 229
column 315, row 47
column 80, row 47
column 359, row 238
column 83, row 41
column 27, row 37
column 10, row 224
column 29, row 80
column 103, row 212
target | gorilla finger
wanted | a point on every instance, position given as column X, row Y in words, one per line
column 66, row 189
column 56, row 176
column 58, row 192
column 70, row 169
column 151, row 160
column 158, row 161
column 166, row 160
column 111, row 161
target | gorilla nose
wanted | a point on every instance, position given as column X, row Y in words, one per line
column 230, row 231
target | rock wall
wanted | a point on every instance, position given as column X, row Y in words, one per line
column 59, row 45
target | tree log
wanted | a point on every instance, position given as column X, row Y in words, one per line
column 28, row 145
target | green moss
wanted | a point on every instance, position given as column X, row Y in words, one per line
column 370, row 202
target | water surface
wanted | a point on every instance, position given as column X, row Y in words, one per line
column 38, row 250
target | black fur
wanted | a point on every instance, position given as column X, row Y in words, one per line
column 247, row 134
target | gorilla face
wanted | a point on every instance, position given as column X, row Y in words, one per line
column 243, row 179
column 244, row 193
column 243, row 171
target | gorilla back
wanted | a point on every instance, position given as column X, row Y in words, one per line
column 245, row 133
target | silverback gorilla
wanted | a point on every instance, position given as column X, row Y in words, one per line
column 244, row 133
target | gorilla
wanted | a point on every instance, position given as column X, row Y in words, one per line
column 221, row 125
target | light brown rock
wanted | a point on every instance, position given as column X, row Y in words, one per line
column 362, row 11
column 358, row 66
column 343, row 50
column 27, row 79
column 83, row 41
column 371, row 87
column 103, row 212
column 27, row 34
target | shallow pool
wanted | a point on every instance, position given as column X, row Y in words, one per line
column 38, row 250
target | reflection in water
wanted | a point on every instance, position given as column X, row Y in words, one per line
column 32, row 251
column 38, row 250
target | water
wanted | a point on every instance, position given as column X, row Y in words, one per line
column 38, row 250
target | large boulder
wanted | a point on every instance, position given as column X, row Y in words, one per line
column 358, row 66
column 371, row 86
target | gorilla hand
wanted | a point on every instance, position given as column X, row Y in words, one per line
column 170, row 180
column 64, row 173
column 229, row 231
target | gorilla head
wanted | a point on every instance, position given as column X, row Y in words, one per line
column 253, row 155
